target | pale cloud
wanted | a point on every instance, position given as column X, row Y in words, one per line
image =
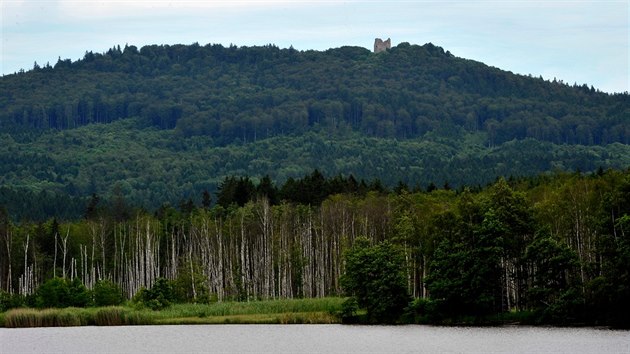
column 138, row 8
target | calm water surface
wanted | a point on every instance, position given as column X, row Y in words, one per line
column 312, row 339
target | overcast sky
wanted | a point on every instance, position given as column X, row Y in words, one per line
column 574, row 41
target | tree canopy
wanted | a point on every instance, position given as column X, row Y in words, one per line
column 162, row 123
column 555, row 247
column 375, row 276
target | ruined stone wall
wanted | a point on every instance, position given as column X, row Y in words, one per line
column 381, row 46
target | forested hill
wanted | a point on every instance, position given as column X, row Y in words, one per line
column 250, row 93
column 162, row 123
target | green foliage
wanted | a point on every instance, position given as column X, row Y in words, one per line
column 463, row 160
column 237, row 308
column 197, row 114
column 422, row 311
column 349, row 310
column 466, row 274
column 160, row 296
column 607, row 295
column 10, row 301
column 78, row 294
column 53, row 293
column 107, row 293
column 567, row 308
column 465, row 279
column 320, row 310
column 553, row 247
column 554, row 265
column 450, row 279
column 190, row 285
column 375, row 276
column 235, row 191
column 59, row 292
column 248, row 93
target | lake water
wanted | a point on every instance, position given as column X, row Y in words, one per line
column 312, row 339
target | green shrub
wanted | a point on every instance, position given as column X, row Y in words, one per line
column 53, row 293
column 422, row 311
column 58, row 292
column 10, row 301
column 107, row 293
column 566, row 309
column 349, row 310
column 79, row 295
column 160, row 296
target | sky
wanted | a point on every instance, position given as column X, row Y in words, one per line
column 583, row 42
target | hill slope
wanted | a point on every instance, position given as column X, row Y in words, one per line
column 165, row 122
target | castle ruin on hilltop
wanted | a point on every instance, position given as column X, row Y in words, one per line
column 381, row 46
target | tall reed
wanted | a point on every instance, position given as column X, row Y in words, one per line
column 327, row 305
column 18, row 318
column 120, row 316
column 315, row 310
column 46, row 318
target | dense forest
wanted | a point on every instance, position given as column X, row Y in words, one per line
column 164, row 123
column 252, row 93
column 557, row 245
column 218, row 173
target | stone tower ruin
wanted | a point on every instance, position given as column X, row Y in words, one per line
column 381, row 46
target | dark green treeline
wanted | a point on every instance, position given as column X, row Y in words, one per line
column 559, row 245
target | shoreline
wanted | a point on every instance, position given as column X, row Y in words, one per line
column 268, row 312
column 295, row 311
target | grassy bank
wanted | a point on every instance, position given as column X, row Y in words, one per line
column 255, row 312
